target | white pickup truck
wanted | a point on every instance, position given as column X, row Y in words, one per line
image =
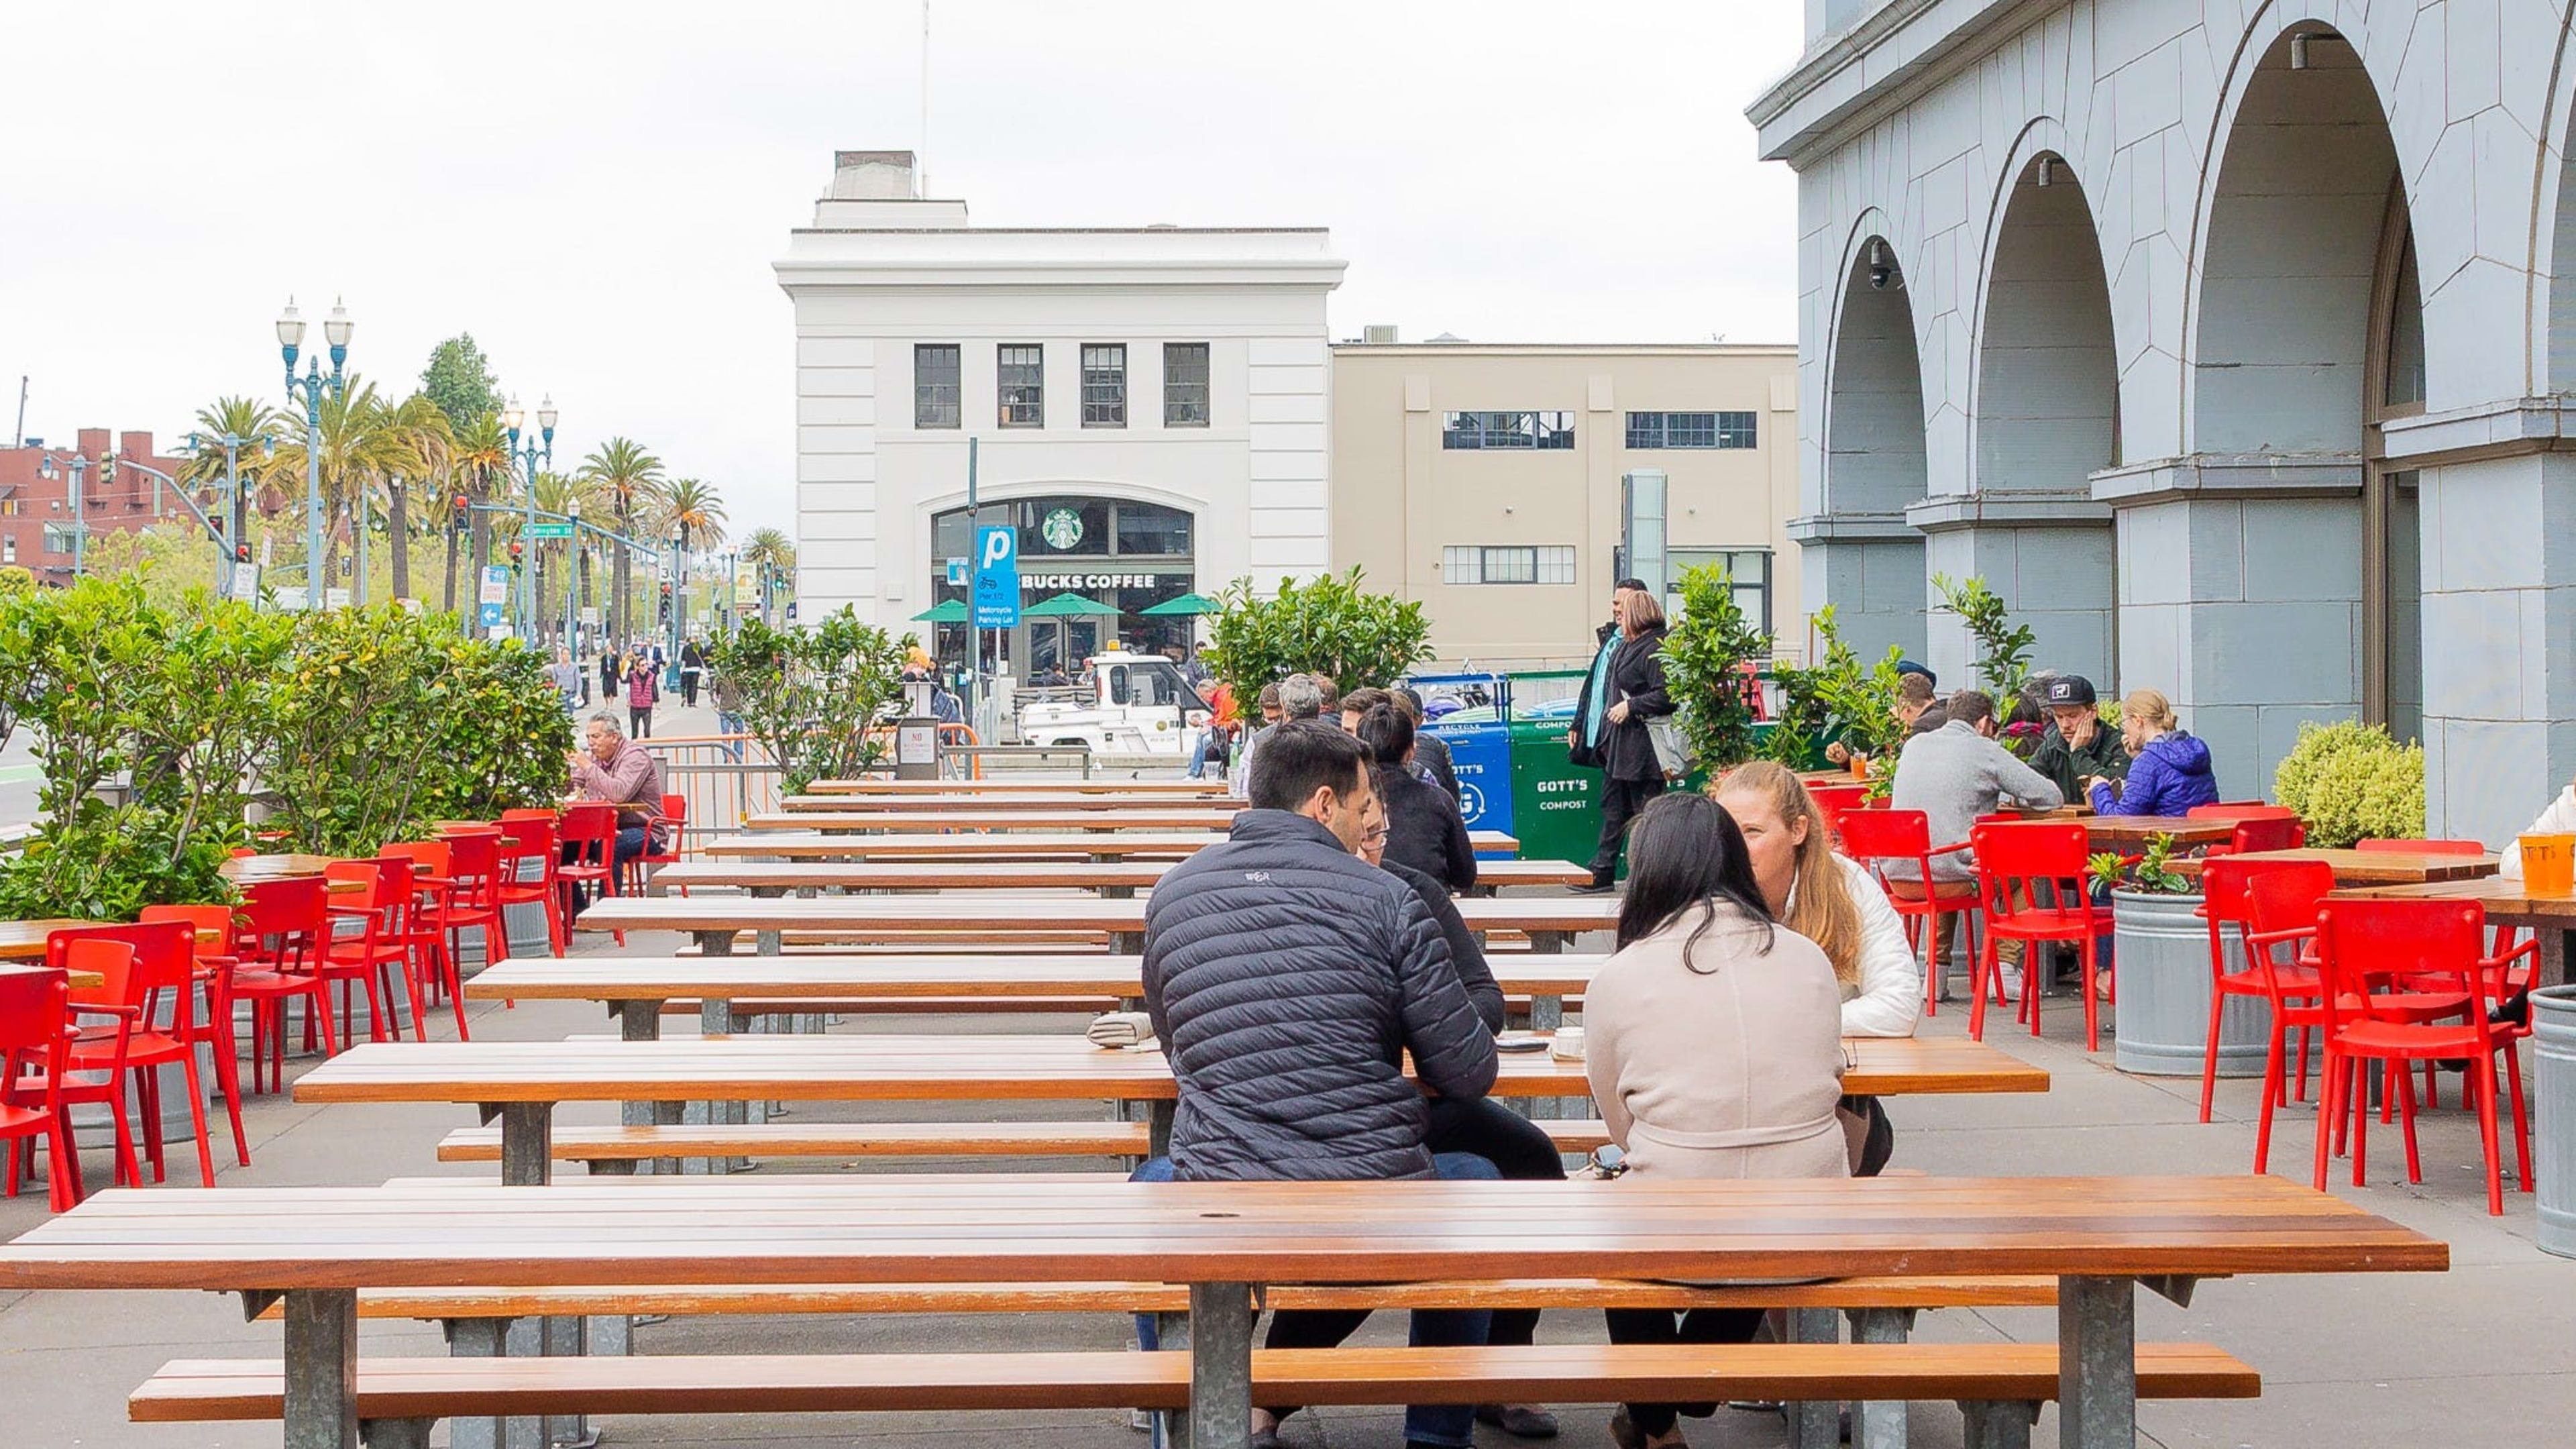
column 1141, row 704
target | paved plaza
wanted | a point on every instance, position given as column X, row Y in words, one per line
column 2396, row 1360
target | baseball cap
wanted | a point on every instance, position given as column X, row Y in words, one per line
column 2070, row 689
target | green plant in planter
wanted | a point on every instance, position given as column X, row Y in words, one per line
column 1328, row 626
column 810, row 694
column 2352, row 782
column 1703, row 655
column 1800, row 721
column 2151, row 872
column 2003, row 663
column 1858, row 701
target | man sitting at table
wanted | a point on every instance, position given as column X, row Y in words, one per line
column 1953, row 775
column 1287, row 978
column 613, row 768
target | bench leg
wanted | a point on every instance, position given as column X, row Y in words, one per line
column 322, row 1368
column 1158, row 1127
column 767, row 943
column 396, row 1433
column 1815, row 1423
column 715, row 943
column 1221, row 1321
column 565, row 1338
column 2097, row 1363
column 527, row 1143
column 2003, row 1425
column 1879, row 1423
column 476, row 1338
column 716, row 1018
column 1126, row 943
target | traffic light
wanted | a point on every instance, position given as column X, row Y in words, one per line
column 666, row 601
column 517, row 550
column 241, row 553
column 464, row 510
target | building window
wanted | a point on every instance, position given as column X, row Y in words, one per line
column 1747, row 569
column 1691, row 430
column 1023, row 384
column 1471, row 564
column 1104, row 385
column 58, row 538
column 9, row 548
column 1185, row 384
column 1476, row 431
column 935, row 378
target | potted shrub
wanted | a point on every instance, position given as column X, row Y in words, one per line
column 2352, row 782
column 2161, row 947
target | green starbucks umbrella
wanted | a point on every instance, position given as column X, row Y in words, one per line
column 946, row 611
column 1067, row 606
column 1186, row 604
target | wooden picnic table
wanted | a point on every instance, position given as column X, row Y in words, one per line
column 249, row 870
column 1550, row 921
column 2373, row 867
column 25, row 940
column 78, row 979
column 1030, row 838
column 1110, row 878
column 2551, row 919
column 1055, row 801
column 318, row 1247
column 1014, row 784
column 634, row 987
column 524, row 1080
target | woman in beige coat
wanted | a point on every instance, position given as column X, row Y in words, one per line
column 1714, row 1046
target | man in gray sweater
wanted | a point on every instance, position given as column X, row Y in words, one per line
column 1953, row 775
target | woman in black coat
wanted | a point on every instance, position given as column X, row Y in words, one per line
column 1630, row 773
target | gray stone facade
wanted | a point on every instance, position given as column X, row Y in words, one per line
column 2229, row 340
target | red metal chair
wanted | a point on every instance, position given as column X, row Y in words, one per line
column 102, row 1081
column 2275, row 905
column 2017, row 867
column 675, row 820
column 433, row 957
column 376, row 907
column 2362, row 943
column 538, row 846
column 589, row 853
column 35, row 1036
column 1833, row 800
column 1875, row 837
column 473, row 900
column 143, row 964
column 277, row 945
column 211, row 932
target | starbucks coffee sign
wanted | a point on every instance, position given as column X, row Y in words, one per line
column 1061, row 529
column 1047, row 584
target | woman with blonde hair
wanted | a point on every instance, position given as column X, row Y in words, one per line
column 2169, row 770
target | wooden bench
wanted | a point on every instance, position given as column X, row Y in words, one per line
column 2000, row 1386
column 616, row 1149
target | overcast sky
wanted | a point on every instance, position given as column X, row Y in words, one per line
column 596, row 191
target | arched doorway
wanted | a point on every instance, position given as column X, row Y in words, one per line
column 2046, row 419
column 1868, row 558
column 2282, row 580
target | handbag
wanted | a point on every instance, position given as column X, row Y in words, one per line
column 1673, row 753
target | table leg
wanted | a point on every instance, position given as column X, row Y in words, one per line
column 1126, row 943
column 1879, row 1423
column 2552, row 966
column 1547, row 943
column 527, row 1143
column 1118, row 893
column 2097, row 1362
column 715, row 943
column 1158, row 1127
column 1815, row 1423
column 1998, row 1425
column 1221, row 1322
column 768, row 943
column 1547, row 1011
column 480, row 1338
column 322, row 1368
column 716, row 1018
column 637, row 1021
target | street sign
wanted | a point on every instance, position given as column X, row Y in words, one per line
column 957, row 573
column 496, row 584
column 335, row 598
column 290, row 598
column 997, row 577
column 590, row 617
column 245, row 581
column 544, row 529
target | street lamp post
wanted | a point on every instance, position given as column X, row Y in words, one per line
column 537, row 454
column 310, row 390
column 236, row 518
column 78, row 468
column 572, row 581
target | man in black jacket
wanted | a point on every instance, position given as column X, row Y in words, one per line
column 1287, row 978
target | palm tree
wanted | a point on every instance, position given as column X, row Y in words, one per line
column 356, row 448
column 772, row 553
column 426, row 443
column 478, row 460
column 630, row 481
column 565, row 494
column 258, row 425
column 693, row 514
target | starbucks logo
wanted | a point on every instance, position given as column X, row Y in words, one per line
column 1061, row 529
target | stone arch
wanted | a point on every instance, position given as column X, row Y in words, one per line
column 1862, row 556
column 2045, row 414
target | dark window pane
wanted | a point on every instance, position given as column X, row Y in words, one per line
column 1021, row 372
column 935, row 385
column 1149, row 528
column 1645, row 430
column 1733, row 430
column 1185, row 384
column 1104, row 386
column 1054, row 527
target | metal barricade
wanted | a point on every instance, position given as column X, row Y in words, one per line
column 724, row 778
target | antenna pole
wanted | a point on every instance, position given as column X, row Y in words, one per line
column 921, row 168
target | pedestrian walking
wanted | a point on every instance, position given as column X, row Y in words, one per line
column 1632, row 693
column 642, row 689
column 693, row 661
column 608, row 674
column 567, row 680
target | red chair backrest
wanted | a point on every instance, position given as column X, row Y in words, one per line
column 291, row 910
column 1831, row 801
column 535, row 832
column 2031, row 851
column 2240, row 810
column 590, row 827
column 2422, row 847
column 675, row 810
column 2362, row 941
column 151, row 957
column 474, row 863
column 1876, row 835
column 35, row 1007
column 2284, row 832
column 2282, row 895
column 427, row 857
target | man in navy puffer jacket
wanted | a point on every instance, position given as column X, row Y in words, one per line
column 1287, row 978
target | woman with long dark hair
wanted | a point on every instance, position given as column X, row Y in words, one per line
column 1714, row 1046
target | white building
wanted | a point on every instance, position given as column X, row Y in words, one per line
column 1149, row 404
column 2233, row 340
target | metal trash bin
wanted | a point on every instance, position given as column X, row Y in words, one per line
column 2553, row 1084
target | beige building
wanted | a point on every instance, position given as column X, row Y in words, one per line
column 1491, row 482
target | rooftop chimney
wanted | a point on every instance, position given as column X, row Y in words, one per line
column 1378, row 334
column 872, row 176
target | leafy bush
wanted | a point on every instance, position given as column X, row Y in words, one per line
column 1328, row 626
column 2003, row 665
column 1702, row 655
column 809, row 695
column 1840, row 695
column 2350, row 782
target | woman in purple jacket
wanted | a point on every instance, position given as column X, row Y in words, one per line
column 2171, row 773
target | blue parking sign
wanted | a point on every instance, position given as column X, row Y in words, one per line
column 997, row 577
